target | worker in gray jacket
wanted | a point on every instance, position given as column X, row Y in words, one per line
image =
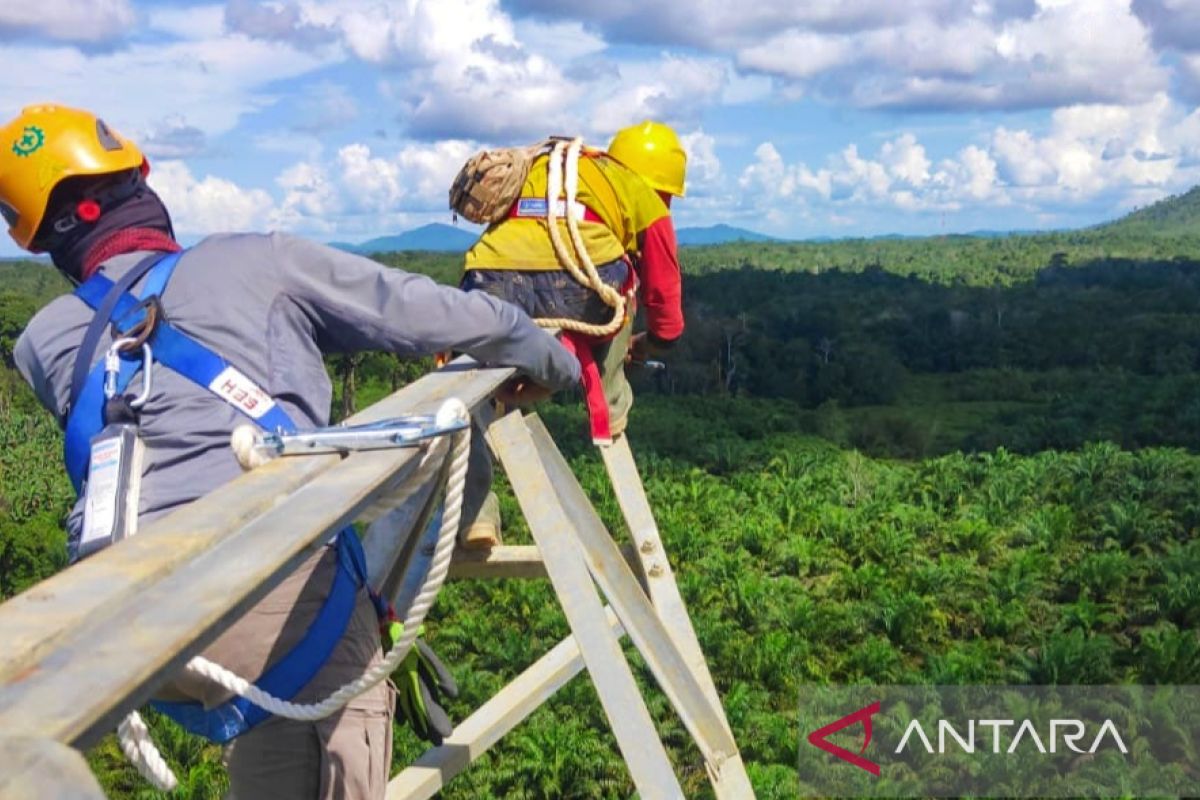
column 266, row 308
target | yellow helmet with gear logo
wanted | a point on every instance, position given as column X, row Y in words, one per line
column 652, row 150
column 43, row 146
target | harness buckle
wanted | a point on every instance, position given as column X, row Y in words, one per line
column 140, row 332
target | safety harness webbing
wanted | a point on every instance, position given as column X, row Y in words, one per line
column 171, row 347
column 184, row 355
column 580, row 346
column 104, row 312
column 291, row 673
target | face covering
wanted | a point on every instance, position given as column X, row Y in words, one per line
column 140, row 222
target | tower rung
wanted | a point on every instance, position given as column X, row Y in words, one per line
column 475, row 735
column 507, row 561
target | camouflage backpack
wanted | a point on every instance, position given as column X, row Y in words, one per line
column 490, row 182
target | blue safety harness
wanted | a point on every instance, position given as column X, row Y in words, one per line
column 179, row 352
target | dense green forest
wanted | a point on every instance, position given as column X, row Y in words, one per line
column 947, row 460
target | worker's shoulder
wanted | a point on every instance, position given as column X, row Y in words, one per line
column 223, row 244
column 55, row 310
column 267, row 259
column 637, row 197
column 48, row 323
column 622, row 176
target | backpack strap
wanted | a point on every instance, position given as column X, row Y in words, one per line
column 580, row 346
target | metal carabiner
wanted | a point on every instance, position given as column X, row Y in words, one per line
column 112, row 368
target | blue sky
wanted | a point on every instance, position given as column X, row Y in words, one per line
column 346, row 119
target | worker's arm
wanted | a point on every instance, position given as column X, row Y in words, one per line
column 356, row 304
column 30, row 366
column 45, row 353
column 662, row 291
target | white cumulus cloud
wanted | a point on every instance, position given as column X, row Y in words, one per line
column 1174, row 23
column 798, row 54
column 718, row 24
column 672, row 88
column 922, row 54
column 214, row 81
column 703, row 164
column 455, row 67
column 87, row 21
column 1059, row 52
column 905, row 160
column 1123, row 154
column 364, row 189
column 211, row 204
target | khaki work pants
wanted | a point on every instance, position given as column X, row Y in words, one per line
column 344, row 757
column 479, row 501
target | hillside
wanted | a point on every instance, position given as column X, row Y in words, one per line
column 1173, row 216
column 1166, row 228
column 718, row 234
column 440, row 238
column 435, row 237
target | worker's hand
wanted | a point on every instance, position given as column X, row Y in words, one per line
column 522, row 391
column 641, row 349
column 421, row 682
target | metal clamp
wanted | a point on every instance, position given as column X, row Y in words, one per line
column 385, row 434
column 112, row 368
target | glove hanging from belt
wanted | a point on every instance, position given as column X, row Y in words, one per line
column 422, row 680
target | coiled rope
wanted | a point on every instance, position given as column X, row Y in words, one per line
column 566, row 154
column 135, row 737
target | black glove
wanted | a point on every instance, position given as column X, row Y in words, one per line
column 421, row 681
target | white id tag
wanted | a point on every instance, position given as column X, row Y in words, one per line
column 110, row 506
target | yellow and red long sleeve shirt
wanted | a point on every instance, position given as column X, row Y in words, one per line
column 619, row 215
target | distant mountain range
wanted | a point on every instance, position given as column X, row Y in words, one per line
column 719, row 234
column 1168, row 217
column 435, row 237
column 449, row 239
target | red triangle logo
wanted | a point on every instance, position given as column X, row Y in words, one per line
column 818, row 738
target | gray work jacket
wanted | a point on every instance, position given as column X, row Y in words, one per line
column 271, row 306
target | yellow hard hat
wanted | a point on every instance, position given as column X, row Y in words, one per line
column 652, row 150
column 43, row 146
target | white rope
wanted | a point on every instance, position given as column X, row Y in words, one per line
column 141, row 752
column 391, row 500
column 566, row 155
column 135, row 740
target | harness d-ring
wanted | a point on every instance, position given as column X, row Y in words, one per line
column 151, row 310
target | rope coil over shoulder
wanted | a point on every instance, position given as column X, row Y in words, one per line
column 579, row 336
column 565, row 157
